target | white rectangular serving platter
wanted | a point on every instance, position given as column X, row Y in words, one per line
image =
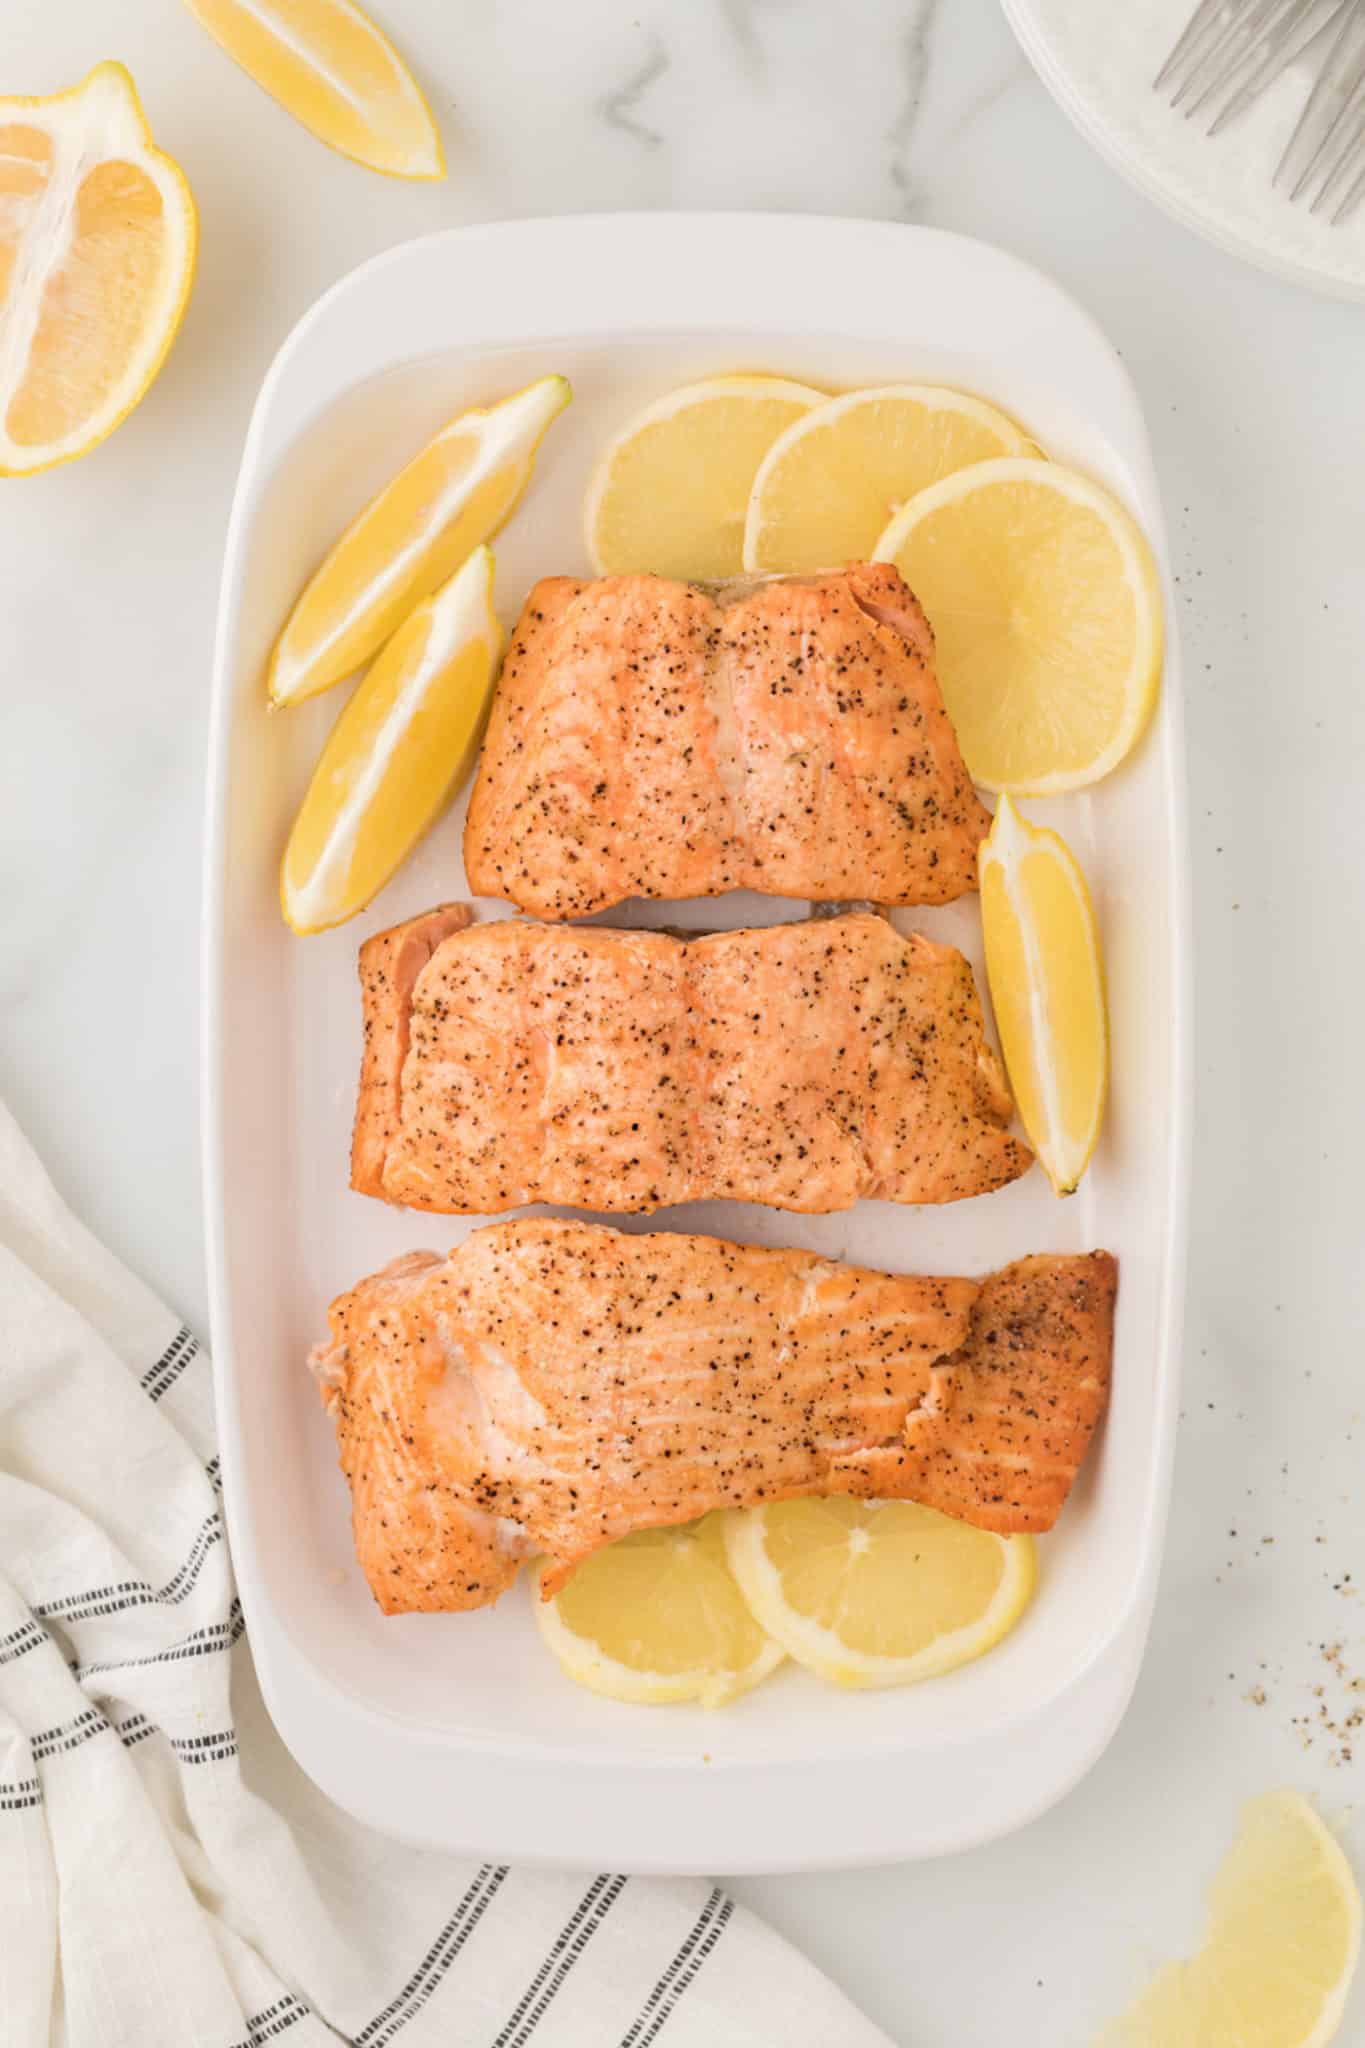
column 459, row 1731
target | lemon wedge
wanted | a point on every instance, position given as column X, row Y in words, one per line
column 1045, row 972
column 457, row 493
column 332, row 69
column 670, row 494
column 1046, row 613
column 97, row 249
column 397, row 754
column 873, row 1593
column 1280, row 1948
column 657, row 1618
column 828, row 487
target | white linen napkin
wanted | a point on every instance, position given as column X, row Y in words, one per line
column 168, row 1875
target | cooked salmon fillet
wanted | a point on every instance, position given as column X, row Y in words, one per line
column 660, row 739
column 551, row 1386
column 803, row 1065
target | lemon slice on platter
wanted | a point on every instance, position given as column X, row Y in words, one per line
column 1046, row 613
column 876, row 1593
column 1280, row 1948
column 657, row 1618
column 828, row 487
column 97, row 248
column 330, row 67
column 397, row 754
column 669, row 496
column 1045, row 973
column 457, row 493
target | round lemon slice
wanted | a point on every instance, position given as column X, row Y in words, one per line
column 1045, row 972
column 397, row 754
column 1047, row 620
column 97, row 248
column 657, row 1618
column 873, row 1593
column 828, row 487
column 669, row 496
column 332, row 69
column 456, row 493
column 1280, row 1948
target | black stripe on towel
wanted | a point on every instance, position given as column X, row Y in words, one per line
column 572, row 1939
column 114, row 1599
column 23, row 1792
column 435, row 1962
column 159, row 1378
column 21, row 1640
column 205, row 1749
column 711, row 1923
column 68, row 1734
column 277, row 2019
column 134, row 1730
column 204, row 1642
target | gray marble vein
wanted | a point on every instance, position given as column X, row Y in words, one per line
column 913, row 57
column 617, row 107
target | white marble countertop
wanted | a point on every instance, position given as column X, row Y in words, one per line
column 1256, row 400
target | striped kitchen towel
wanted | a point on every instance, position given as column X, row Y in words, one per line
column 168, row 1876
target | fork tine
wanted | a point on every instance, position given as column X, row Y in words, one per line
column 1218, row 61
column 1277, row 58
column 1205, row 15
column 1353, row 198
column 1335, row 83
column 1345, row 143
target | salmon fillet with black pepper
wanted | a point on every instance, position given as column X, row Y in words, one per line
column 659, row 739
column 803, row 1065
column 551, row 1386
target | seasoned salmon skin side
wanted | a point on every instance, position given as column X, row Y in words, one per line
column 659, row 739
column 550, row 1386
column 802, row 1065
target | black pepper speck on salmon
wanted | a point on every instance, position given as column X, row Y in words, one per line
column 802, row 1065
column 550, row 1386
column 659, row 739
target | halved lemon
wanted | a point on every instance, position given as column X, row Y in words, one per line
column 669, row 496
column 1047, row 619
column 828, row 487
column 330, row 67
column 872, row 1593
column 657, row 1618
column 97, row 247
column 457, row 493
column 1045, row 972
column 1280, row 1948
column 397, row 754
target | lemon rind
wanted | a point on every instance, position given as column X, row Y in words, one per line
column 934, row 397
column 819, row 1649
column 1144, row 672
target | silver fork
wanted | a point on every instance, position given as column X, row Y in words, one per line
column 1231, row 50
column 1324, row 161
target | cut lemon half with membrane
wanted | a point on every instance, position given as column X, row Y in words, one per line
column 875, row 1593
column 97, row 248
column 657, row 1618
column 456, row 494
column 397, row 754
column 1280, row 1948
column 669, row 497
column 828, row 487
column 1045, row 973
column 330, row 67
column 1046, row 613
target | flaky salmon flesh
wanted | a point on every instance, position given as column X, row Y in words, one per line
column 551, row 1386
column 659, row 739
column 802, row 1065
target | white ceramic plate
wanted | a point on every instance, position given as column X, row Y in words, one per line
column 1098, row 63
column 459, row 1730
